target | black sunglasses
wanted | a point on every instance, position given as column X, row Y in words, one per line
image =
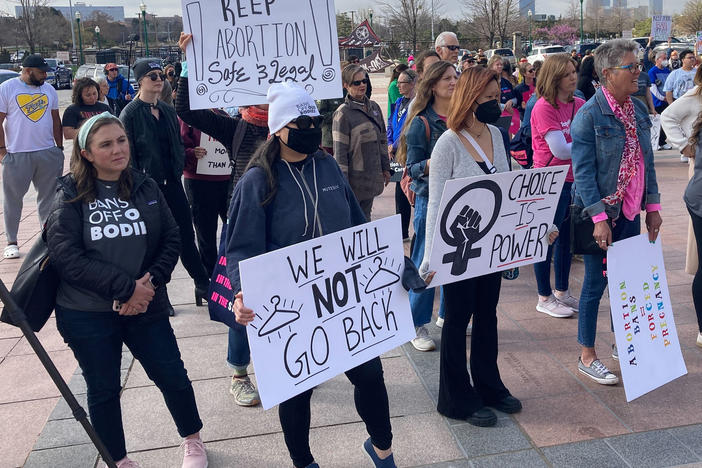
column 171, row 73
column 360, row 82
column 156, row 76
column 305, row 121
column 452, row 47
column 112, row 69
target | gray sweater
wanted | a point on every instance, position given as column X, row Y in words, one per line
column 451, row 160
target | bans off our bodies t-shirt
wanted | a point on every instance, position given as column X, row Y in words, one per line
column 28, row 123
column 546, row 118
column 114, row 232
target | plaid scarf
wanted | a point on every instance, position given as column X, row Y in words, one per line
column 632, row 151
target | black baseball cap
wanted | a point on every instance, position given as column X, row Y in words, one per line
column 35, row 61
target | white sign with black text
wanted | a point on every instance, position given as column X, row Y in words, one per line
column 216, row 161
column 494, row 222
column 642, row 315
column 240, row 48
column 325, row 306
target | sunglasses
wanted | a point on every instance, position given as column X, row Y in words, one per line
column 305, row 121
column 112, row 69
column 530, row 71
column 452, row 47
column 156, row 76
column 360, row 82
column 171, row 73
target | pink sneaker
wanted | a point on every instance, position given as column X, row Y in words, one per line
column 195, row 455
column 126, row 463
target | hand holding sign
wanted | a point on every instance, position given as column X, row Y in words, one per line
column 243, row 314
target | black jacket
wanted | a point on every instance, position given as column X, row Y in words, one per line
column 144, row 142
column 66, row 249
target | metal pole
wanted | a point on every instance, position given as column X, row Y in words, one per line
column 433, row 38
column 146, row 35
column 80, row 42
column 581, row 21
column 70, row 15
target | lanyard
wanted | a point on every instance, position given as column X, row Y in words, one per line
column 491, row 168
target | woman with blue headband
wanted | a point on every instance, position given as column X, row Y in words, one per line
column 114, row 244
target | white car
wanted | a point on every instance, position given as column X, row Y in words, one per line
column 540, row 53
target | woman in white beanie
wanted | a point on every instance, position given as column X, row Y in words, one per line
column 292, row 192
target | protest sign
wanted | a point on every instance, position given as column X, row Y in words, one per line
column 661, row 27
column 216, row 161
column 325, row 306
column 642, row 315
column 698, row 43
column 239, row 49
column 494, row 222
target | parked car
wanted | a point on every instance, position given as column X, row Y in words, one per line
column 505, row 53
column 59, row 76
column 18, row 56
column 9, row 66
column 540, row 53
column 94, row 70
column 581, row 49
column 7, row 74
column 643, row 41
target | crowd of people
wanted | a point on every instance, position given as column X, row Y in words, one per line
column 134, row 202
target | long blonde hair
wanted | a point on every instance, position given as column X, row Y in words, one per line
column 422, row 99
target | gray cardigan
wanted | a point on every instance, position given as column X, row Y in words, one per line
column 451, row 160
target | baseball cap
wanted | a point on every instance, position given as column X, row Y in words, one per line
column 111, row 66
column 35, row 61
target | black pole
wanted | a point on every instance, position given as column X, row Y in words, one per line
column 18, row 317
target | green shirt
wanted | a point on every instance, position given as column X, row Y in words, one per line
column 393, row 95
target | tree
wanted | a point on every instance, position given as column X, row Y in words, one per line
column 642, row 28
column 30, row 20
column 493, row 18
column 343, row 25
column 690, row 21
column 404, row 15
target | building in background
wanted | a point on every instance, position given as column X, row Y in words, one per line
column 86, row 11
column 655, row 7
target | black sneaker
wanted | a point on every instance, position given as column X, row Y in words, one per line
column 508, row 404
column 484, row 417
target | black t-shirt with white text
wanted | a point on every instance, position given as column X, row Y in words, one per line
column 75, row 115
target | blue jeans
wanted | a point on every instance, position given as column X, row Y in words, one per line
column 238, row 352
column 595, row 281
column 422, row 303
column 559, row 250
column 96, row 340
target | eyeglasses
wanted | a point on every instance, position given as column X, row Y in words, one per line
column 530, row 71
column 156, row 76
column 405, row 82
column 112, row 69
column 305, row 121
column 632, row 68
column 171, row 73
column 360, row 82
column 452, row 47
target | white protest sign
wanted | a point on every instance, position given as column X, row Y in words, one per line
column 644, row 327
column 325, row 306
column 494, row 222
column 661, row 26
column 698, row 43
column 216, row 161
column 240, row 48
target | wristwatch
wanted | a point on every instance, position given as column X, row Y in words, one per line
column 151, row 282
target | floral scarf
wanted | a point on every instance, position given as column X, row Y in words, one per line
column 632, row 151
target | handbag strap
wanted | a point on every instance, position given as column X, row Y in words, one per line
column 491, row 167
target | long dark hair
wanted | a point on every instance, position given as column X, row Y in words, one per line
column 85, row 174
column 397, row 71
column 79, row 86
column 265, row 157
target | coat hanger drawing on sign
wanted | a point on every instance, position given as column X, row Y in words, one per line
column 279, row 318
column 382, row 278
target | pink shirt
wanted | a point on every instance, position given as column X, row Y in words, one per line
column 546, row 118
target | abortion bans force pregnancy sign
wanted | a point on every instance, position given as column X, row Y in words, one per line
column 241, row 47
column 642, row 315
column 494, row 222
column 325, row 306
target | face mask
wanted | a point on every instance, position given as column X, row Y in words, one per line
column 488, row 112
column 665, row 63
column 305, row 141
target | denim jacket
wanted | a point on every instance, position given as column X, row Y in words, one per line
column 598, row 144
column 419, row 149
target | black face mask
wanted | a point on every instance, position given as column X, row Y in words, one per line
column 488, row 112
column 304, row 141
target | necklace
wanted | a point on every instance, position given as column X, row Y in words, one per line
column 477, row 134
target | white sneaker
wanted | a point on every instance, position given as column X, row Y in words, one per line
column 684, row 159
column 699, row 340
column 569, row 301
column 11, row 251
column 439, row 322
column 667, row 147
column 553, row 308
column 423, row 342
column 598, row 372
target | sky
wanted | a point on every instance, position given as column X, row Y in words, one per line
column 452, row 8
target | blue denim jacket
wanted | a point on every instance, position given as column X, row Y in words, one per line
column 598, row 144
column 419, row 149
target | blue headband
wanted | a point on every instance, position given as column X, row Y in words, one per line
column 88, row 125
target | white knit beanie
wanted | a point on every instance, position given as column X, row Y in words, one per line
column 286, row 102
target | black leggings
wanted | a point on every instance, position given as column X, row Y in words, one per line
column 476, row 297
column 403, row 208
column 175, row 197
column 371, row 398
column 697, row 282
